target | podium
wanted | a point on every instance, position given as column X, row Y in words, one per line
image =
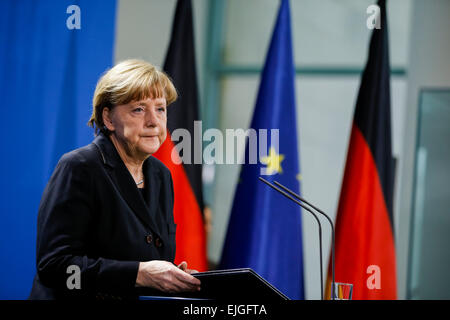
column 231, row 284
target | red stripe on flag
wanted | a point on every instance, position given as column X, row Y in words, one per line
column 364, row 238
column 190, row 237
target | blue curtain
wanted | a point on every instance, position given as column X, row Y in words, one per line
column 48, row 75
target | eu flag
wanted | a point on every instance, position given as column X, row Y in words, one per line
column 264, row 231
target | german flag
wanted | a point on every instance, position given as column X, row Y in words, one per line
column 365, row 250
column 187, row 177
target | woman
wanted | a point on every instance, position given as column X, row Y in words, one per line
column 107, row 210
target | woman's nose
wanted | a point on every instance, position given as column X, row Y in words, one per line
column 151, row 119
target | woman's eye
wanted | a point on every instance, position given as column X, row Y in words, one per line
column 162, row 109
column 138, row 110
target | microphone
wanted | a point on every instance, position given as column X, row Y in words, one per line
column 287, row 195
column 332, row 231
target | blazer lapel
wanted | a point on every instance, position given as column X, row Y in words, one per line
column 127, row 186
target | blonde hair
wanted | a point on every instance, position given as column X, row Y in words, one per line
column 129, row 80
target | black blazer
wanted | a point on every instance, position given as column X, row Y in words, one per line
column 92, row 215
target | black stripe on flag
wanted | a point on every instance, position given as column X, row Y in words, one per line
column 181, row 67
column 373, row 108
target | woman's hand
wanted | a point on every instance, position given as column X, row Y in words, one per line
column 165, row 276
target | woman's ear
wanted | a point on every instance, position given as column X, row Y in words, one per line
column 107, row 119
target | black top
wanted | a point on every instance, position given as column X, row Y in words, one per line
column 92, row 216
column 143, row 192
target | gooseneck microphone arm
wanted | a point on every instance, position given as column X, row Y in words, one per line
column 287, row 195
column 332, row 231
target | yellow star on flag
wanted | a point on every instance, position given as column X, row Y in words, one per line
column 273, row 161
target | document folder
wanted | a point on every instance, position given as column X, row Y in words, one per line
column 232, row 284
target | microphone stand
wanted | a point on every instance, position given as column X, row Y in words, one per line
column 287, row 195
column 332, row 231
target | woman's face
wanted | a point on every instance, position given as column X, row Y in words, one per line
column 140, row 126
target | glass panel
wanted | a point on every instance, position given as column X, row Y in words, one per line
column 430, row 236
column 325, row 32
